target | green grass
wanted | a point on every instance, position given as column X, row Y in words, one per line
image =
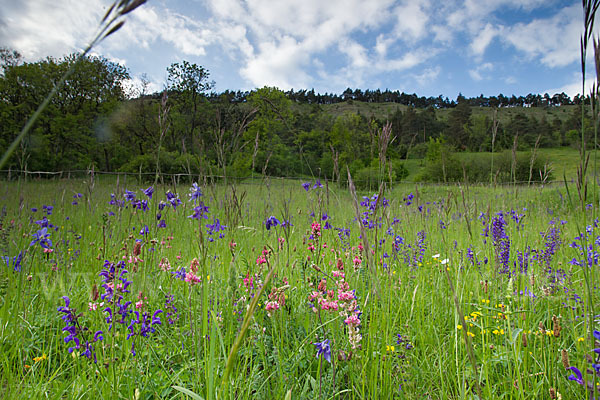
column 505, row 114
column 409, row 296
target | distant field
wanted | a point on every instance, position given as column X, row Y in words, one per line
column 564, row 162
column 383, row 110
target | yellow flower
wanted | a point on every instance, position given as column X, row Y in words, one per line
column 580, row 340
column 459, row 327
column 38, row 359
column 471, row 334
column 389, row 348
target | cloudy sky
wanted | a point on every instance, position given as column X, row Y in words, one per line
column 424, row 46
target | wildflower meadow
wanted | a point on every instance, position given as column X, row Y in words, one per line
column 297, row 289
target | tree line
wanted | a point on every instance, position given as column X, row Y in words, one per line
column 190, row 128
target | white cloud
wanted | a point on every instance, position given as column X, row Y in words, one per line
column 477, row 73
column 553, row 41
column 147, row 25
column 573, row 87
column 483, row 39
column 411, row 19
column 428, row 76
column 42, row 28
column 289, row 34
column 278, row 64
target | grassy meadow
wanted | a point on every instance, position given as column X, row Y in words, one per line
column 284, row 290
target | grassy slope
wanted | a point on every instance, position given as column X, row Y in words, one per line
column 564, row 161
column 382, row 110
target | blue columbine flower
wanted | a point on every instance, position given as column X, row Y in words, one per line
column 173, row 200
column 42, row 237
column 195, row 192
column 215, row 227
column 200, row 212
column 324, row 349
column 129, row 195
column 148, row 192
column 271, row 222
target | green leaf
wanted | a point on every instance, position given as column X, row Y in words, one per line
column 188, row 392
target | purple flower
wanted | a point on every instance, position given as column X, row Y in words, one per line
column 306, row 186
column 195, row 192
column 16, row 261
column 180, row 274
column 144, row 230
column 215, row 227
column 577, row 377
column 199, row 212
column 171, row 309
column 318, row 184
column 129, row 195
column 42, row 237
column 173, row 200
column 162, row 224
column 271, row 222
column 324, row 349
column 156, row 318
column 148, row 192
column 98, row 336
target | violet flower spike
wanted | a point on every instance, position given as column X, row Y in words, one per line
column 577, row 377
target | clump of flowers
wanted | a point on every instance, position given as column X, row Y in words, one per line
column 276, row 298
column 342, row 300
column 119, row 312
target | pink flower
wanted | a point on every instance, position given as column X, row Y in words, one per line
column 194, row 265
column 164, row 264
column 261, row 260
column 248, row 281
column 322, row 285
column 345, row 296
column 316, row 229
column 357, row 261
column 338, row 274
column 139, row 304
column 352, row 320
column 192, row 279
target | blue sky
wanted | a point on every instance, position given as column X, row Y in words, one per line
column 424, row 46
